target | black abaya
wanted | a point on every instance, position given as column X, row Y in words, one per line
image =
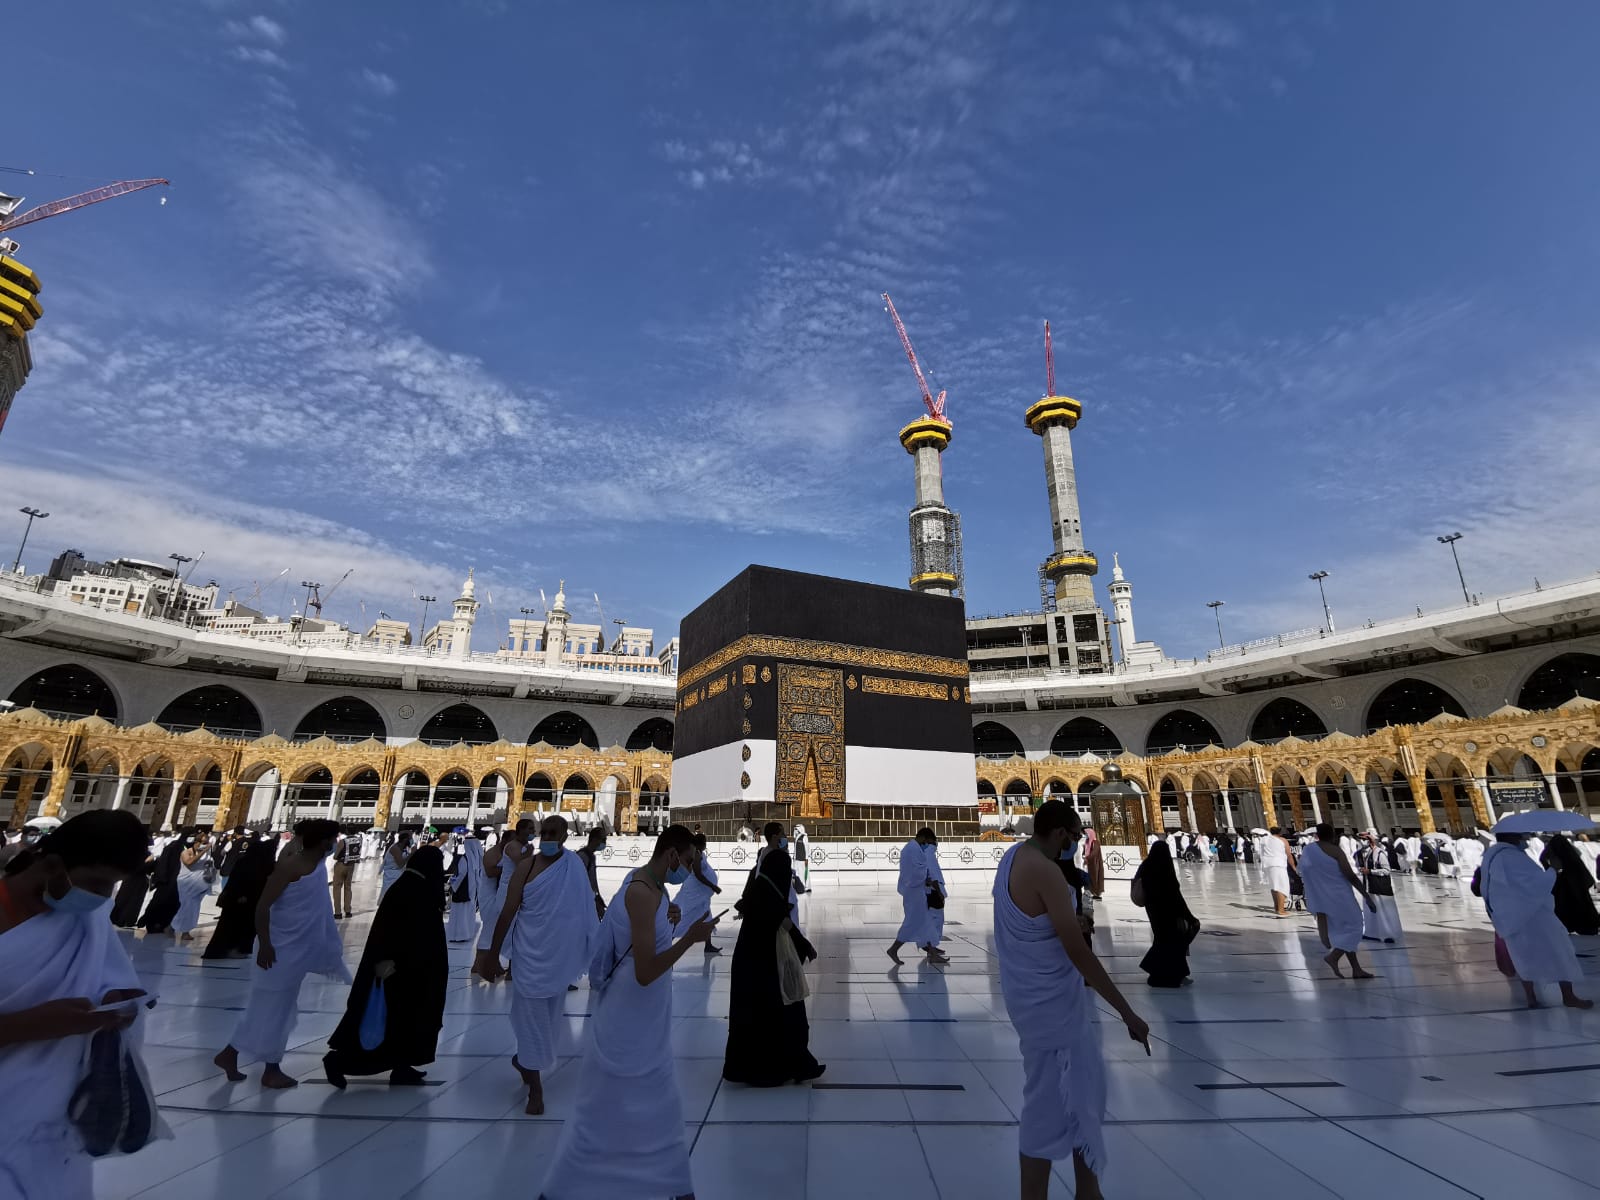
column 235, row 934
column 408, row 932
column 768, row 1040
column 130, row 897
column 1574, row 905
column 164, row 901
column 1172, row 925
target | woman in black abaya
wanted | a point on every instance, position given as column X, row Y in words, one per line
column 164, row 899
column 1172, row 925
column 407, row 951
column 1574, row 906
column 768, row 1040
column 130, row 896
column 235, row 934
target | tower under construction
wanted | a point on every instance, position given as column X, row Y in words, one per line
column 935, row 530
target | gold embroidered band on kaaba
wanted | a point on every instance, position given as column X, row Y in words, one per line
column 756, row 645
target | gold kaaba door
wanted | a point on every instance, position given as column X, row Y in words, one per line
column 810, row 739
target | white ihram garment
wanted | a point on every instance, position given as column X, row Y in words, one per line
column 694, row 898
column 1322, row 877
column 1064, row 1074
column 391, row 871
column 193, row 887
column 54, row 956
column 935, row 915
column 493, row 899
column 625, row 1137
column 305, row 940
column 1274, row 860
column 550, row 946
column 1516, row 891
column 917, row 928
column 462, row 923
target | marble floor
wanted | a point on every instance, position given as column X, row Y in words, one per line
column 1431, row 1081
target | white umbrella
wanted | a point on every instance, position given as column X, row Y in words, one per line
column 44, row 823
column 1437, row 837
column 1260, row 832
column 1545, row 820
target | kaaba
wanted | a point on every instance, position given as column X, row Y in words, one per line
column 838, row 704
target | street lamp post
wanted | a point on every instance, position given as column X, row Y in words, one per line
column 528, row 612
column 1327, row 615
column 31, row 514
column 1216, row 610
column 1450, row 539
column 422, row 636
column 177, row 580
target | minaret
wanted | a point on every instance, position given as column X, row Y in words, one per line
column 1122, row 606
column 466, row 611
column 1070, row 567
column 555, row 628
column 935, row 530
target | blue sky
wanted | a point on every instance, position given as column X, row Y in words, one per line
column 591, row 291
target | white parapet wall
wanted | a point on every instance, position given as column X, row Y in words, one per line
column 625, row 851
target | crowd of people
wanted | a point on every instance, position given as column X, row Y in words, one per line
column 533, row 910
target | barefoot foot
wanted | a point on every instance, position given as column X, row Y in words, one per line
column 535, row 1106
column 894, row 956
column 275, row 1078
column 228, row 1060
column 1577, row 1002
column 1333, row 962
column 1359, row 973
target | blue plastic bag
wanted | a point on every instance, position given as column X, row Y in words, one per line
column 375, row 1020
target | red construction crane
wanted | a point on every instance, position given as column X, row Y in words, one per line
column 82, row 200
column 1049, row 363
column 934, row 406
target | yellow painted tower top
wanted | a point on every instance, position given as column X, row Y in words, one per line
column 1053, row 408
column 925, row 431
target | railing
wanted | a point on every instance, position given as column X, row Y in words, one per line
column 313, row 644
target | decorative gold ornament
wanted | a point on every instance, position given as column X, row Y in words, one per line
column 766, row 674
column 837, row 653
column 747, row 701
column 879, row 685
column 744, row 753
column 744, row 779
column 748, row 673
column 850, row 682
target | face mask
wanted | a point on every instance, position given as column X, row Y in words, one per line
column 599, row 846
column 1068, row 850
column 77, row 902
column 549, row 849
column 678, row 874
column 783, row 844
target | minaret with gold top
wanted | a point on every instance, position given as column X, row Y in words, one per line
column 1070, row 567
column 935, row 530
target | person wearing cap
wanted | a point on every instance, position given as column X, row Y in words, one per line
column 916, row 884
column 64, row 977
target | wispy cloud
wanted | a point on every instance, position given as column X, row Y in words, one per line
column 259, row 29
column 379, row 83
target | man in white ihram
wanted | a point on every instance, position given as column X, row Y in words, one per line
column 915, row 884
column 295, row 936
column 1516, row 891
column 1044, row 963
column 1331, row 887
column 551, row 906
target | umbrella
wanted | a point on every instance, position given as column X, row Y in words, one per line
column 43, row 823
column 1437, row 837
column 1545, row 820
column 1261, row 832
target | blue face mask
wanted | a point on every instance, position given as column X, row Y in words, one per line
column 678, row 874
column 549, row 849
column 77, row 902
column 783, row 844
column 599, row 846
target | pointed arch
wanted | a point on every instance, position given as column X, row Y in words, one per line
column 654, row 734
column 1285, row 717
column 343, row 719
column 1181, row 728
column 224, row 710
column 68, row 689
column 563, row 730
column 459, row 723
column 1410, row 702
column 991, row 739
column 1085, row 735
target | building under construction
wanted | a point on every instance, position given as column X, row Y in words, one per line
column 19, row 309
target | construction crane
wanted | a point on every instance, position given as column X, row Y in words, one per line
column 934, row 405
column 314, row 597
column 55, row 208
column 1049, row 363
